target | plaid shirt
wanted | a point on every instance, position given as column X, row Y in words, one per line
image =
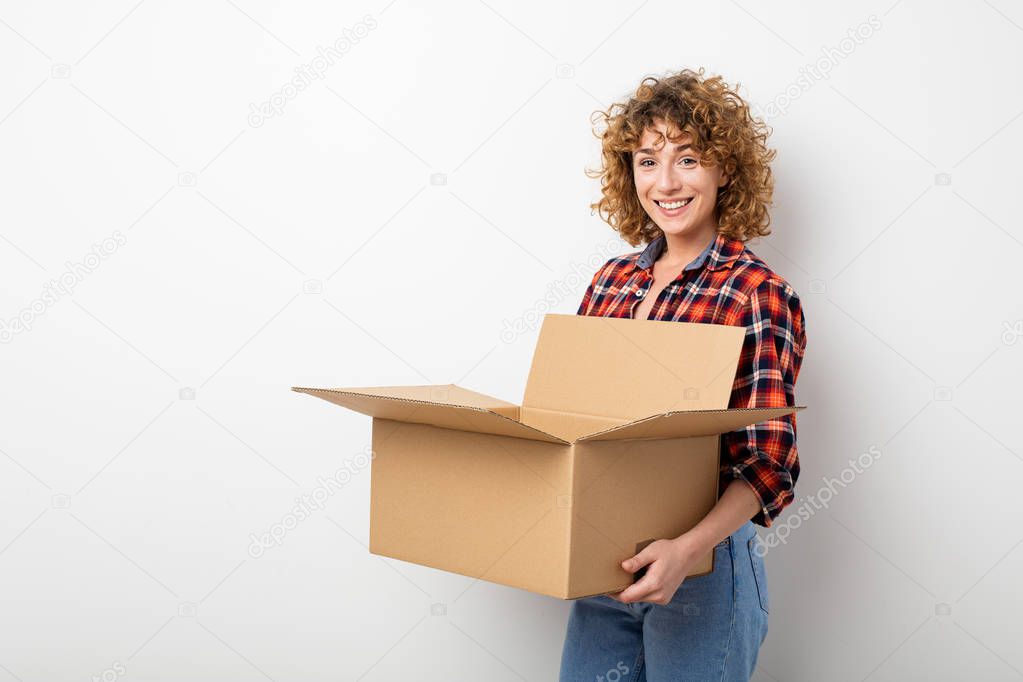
column 728, row 284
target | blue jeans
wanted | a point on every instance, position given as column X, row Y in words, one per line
column 711, row 630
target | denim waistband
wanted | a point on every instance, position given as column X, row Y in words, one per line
column 742, row 534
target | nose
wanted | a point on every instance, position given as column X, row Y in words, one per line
column 669, row 179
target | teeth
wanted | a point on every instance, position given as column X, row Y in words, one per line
column 674, row 204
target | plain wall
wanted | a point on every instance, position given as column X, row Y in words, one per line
column 404, row 218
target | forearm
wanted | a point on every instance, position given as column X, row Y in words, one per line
column 736, row 506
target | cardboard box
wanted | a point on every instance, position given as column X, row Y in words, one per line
column 616, row 443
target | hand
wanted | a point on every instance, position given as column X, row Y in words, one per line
column 668, row 561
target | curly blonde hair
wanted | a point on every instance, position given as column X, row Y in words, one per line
column 724, row 132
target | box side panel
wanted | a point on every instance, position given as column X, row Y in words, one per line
column 590, row 365
column 485, row 506
column 626, row 493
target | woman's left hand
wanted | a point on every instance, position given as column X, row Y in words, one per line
column 668, row 561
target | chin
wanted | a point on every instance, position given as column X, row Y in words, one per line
column 675, row 229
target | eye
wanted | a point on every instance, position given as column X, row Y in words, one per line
column 642, row 162
column 688, row 158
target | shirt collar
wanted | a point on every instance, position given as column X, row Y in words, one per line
column 721, row 252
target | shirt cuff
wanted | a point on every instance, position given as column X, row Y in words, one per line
column 771, row 483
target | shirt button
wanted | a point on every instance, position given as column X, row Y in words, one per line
column 640, row 293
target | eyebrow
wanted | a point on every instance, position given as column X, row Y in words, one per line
column 647, row 150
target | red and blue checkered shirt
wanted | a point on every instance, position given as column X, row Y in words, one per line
column 729, row 284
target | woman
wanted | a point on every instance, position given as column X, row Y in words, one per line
column 686, row 171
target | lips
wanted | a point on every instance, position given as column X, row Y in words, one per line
column 674, row 212
column 673, row 203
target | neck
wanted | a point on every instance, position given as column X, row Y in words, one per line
column 683, row 248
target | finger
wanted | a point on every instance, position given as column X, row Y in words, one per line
column 638, row 591
column 634, row 563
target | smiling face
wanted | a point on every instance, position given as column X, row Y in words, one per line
column 677, row 193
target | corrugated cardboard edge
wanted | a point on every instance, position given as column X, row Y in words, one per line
column 713, row 563
column 459, row 396
column 480, row 578
column 313, row 391
column 792, row 409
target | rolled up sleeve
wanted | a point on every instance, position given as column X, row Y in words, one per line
column 765, row 455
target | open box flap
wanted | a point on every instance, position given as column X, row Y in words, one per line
column 441, row 394
column 629, row 369
column 447, row 406
column 691, row 423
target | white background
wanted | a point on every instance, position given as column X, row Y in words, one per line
column 148, row 428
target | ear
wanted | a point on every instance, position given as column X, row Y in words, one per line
column 723, row 180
